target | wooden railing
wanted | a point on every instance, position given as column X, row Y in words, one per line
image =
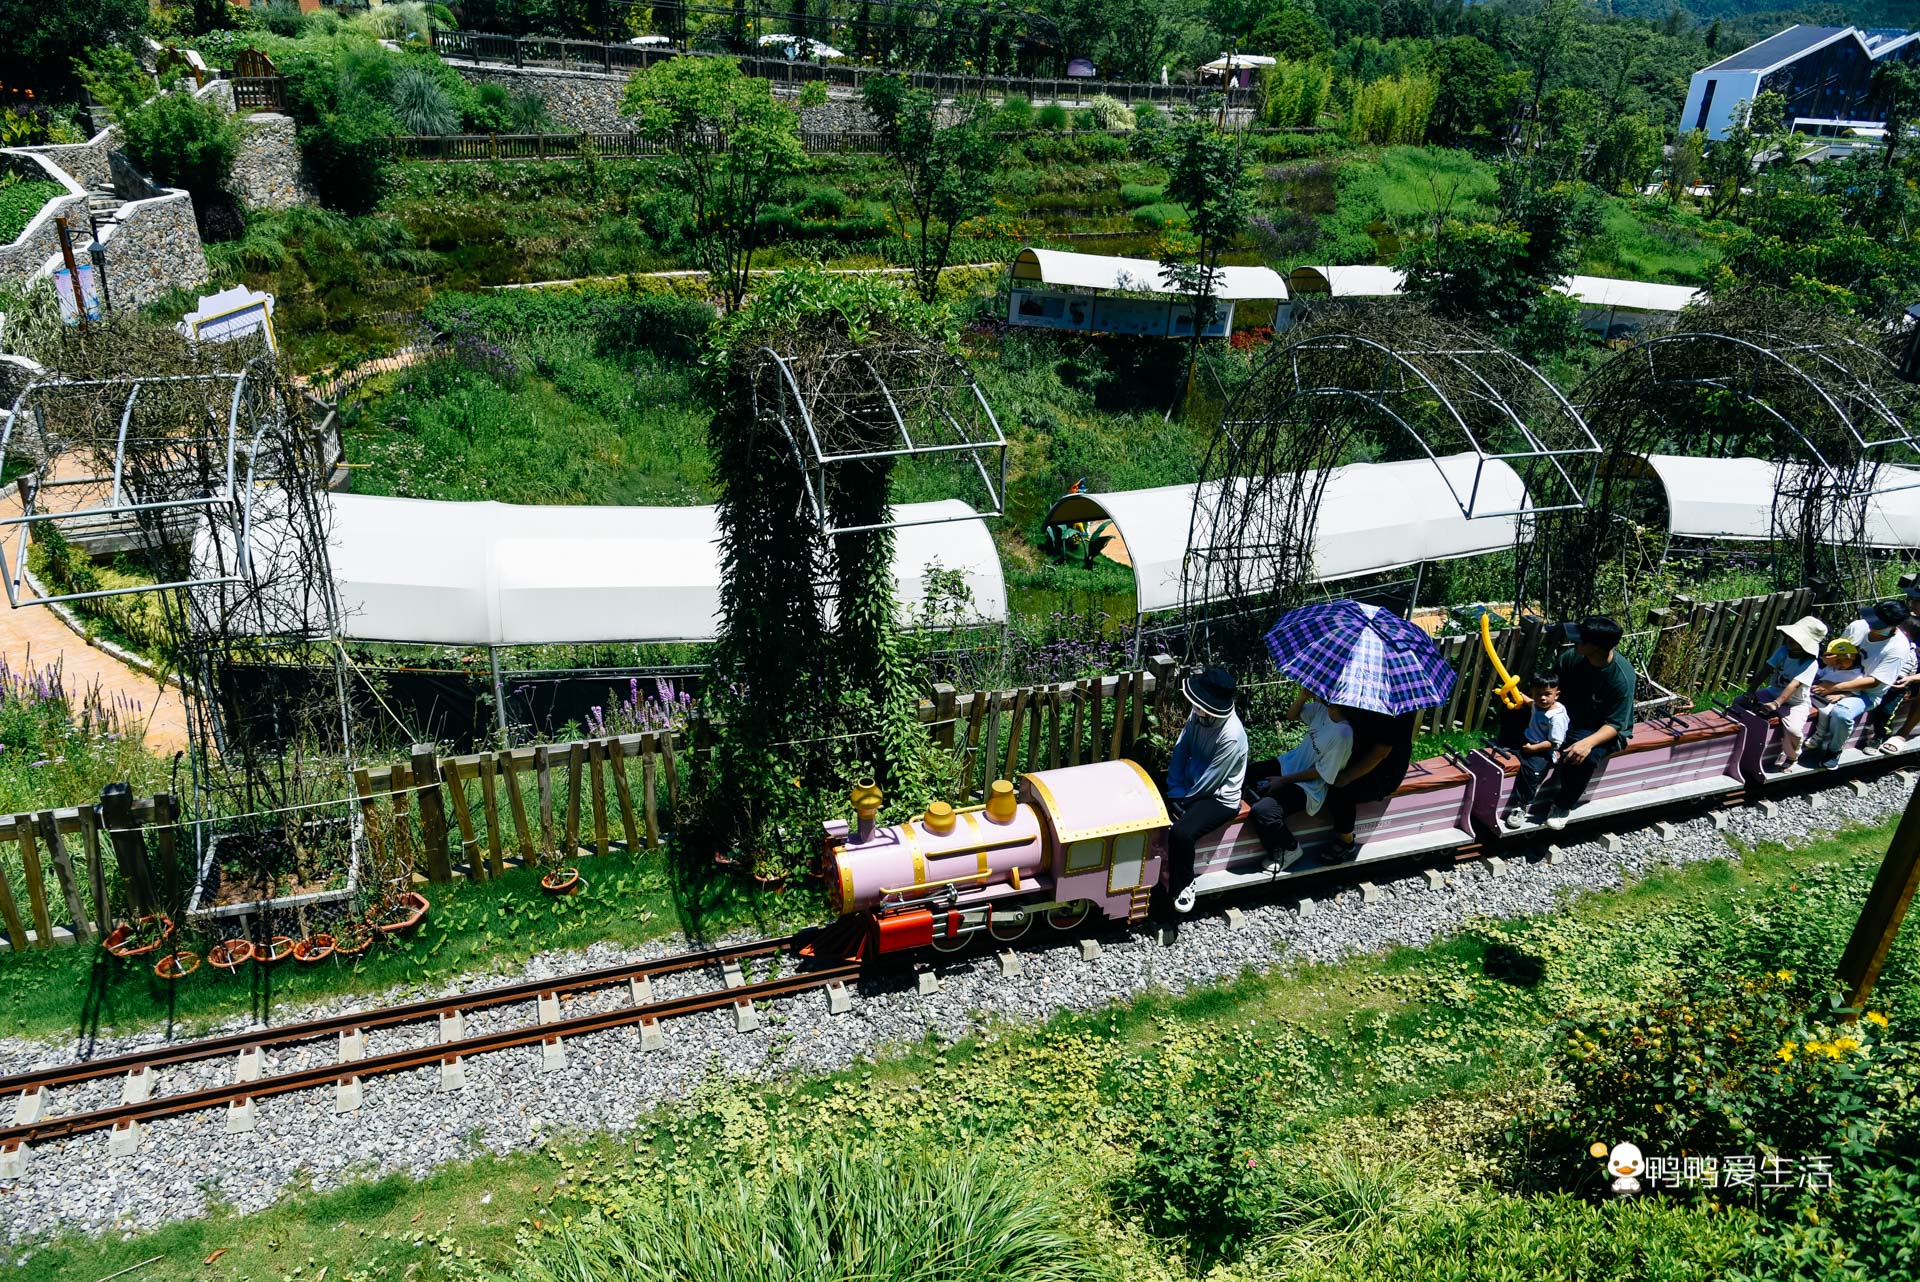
column 144, row 879
column 588, row 55
column 260, row 93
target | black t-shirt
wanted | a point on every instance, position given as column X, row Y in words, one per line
column 1370, row 730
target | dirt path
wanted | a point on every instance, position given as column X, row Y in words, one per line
column 33, row 636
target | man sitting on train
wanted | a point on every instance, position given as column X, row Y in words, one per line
column 1596, row 688
column 1204, row 776
column 1884, row 651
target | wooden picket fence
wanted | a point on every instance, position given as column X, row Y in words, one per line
column 1711, row 646
column 145, row 877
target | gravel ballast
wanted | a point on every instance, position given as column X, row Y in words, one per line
column 184, row 1164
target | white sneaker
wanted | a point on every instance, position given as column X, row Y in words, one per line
column 1183, row 902
column 1280, row 861
column 1515, row 818
column 1894, row 744
column 1557, row 818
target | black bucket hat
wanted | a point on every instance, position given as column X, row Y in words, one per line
column 1212, row 690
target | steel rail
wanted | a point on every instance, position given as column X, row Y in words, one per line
column 379, row 1017
column 419, row 1057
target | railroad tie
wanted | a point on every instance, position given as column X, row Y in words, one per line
column 745, row 1018
column 124, row 1139
column 1010, row 963
column 839, row 1000
column 346, row 1091
column 13, row 1160
column 453, row 1073
column 242, row 1117
column 553, row 1052
column 30, row 1107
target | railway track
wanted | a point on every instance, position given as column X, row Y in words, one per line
column 31, row 1091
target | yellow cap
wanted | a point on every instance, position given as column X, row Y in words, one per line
column 1001, row 804
column 866, row 798
column 939, row 818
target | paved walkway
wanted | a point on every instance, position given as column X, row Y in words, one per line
column 34, row 636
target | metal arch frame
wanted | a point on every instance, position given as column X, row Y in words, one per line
column 1494, row 405
column 116, row 505
column 814, row 458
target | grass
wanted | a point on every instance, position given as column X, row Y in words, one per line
column 21, row 202
column 486, row 928
column 1411, row 1059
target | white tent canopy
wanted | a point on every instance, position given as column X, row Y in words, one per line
column 506, row 574
column 1360, row 280
column 1720, row 498
column 1059, row 269
column 1238, row 62
column 1373, row 517
column 1628, row 295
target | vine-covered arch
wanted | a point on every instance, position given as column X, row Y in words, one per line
column 1742, row 376
column 1371, row 385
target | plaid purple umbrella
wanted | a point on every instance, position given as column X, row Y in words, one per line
column 1360, row 656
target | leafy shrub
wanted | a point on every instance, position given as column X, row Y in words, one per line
column 1148, row 115
column 420, row 105
column 20, row 201
column 1015, row 116
column 335, row 96
column 920, row 1215
column 1101, row 147
column 1138, row 194
column 1292, row 93
column 496, row 109
column 1053, row 117
column 1111, row 114
column 1085, row 119
column 1203, row 1173
column 183, row 141
column 1160, row 215
column 282, row 18
column 1390, row 111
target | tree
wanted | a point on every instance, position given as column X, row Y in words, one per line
column 183, row 141
column 1473, row 272
column 944, row 172
column 1472, row 93
column 1896, row 91
column 44, row 40
column 1291, row 34
column 1732, row 160
column 1683, row 169
column 1206, row 173
column 1625, row 154
column 1549, row 34
column 733, row 144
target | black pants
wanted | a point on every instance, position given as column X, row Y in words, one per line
column 1526, row 784
column 1344, row 799
column 1194, row 818
column 1269, row 817
column 1570, row 778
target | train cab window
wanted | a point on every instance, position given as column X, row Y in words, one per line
column 1086, row 856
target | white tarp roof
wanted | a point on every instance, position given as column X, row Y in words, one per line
column 1732, row 498
column 1238, row 61
column 1361, row 280
column 509, row 574
column 1364, row 281
column 1059, row 268
column 1373, row 517
column 1628, row 295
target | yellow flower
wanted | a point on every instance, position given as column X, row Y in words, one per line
column 1783, row 975
column 1875, row 1017
column 1815, row 1048
column 1785, row 1053
column 1841, row 1045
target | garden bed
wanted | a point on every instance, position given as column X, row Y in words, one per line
column 220, row 895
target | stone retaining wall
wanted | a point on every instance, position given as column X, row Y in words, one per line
column 590, row 100
column 39, row 241
column 154, row 247
column 268, row 172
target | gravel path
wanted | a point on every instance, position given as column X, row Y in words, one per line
column 509, row 1103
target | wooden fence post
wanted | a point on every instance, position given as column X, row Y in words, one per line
column 433, row 814
column 944, row 700
column 63, row 870
column 116, row 810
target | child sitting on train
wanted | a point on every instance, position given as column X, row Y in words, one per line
column 1204, row 776
column 1306, row 771
column 1546, row 732
column 1785, row 685
column 1840, row 664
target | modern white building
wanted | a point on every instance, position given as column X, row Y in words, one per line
column 1825, row 74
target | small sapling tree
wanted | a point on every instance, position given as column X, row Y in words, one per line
column 1207, row 174
column 943, row 172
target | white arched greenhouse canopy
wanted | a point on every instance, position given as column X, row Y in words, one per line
column 1374, row 517
column 1732, row 498
column 500, row 574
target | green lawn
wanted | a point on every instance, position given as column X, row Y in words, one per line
column 1393, row 1080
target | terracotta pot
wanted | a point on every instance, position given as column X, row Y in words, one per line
column 561, row 881
column 776, row 881
column 121, row 942
column 314, row 948
column 279, row 948
column 177, row 965
column 354, row 938
column 230, row 954
column 402, row 914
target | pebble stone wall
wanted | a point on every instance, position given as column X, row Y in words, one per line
column 267, row 172
column 154, row 247
column 590, row 100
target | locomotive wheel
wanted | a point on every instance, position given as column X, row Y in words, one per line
column 1069, row 917
column 1008, row 931
column 951, row 943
